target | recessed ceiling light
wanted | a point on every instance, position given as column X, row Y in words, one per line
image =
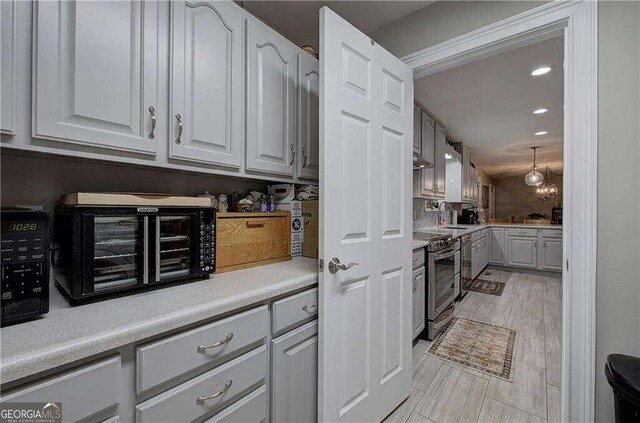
column 541, row 133
column 540, row 111
column 541, row 71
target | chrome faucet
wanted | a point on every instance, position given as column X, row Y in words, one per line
column 440, row 211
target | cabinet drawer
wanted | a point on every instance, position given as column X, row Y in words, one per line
column 82, row 392
column 250, row 409
column 252, row 239
column 523, row 232
column 187, row 402
column 418, row 258
column 184, row 353
column 552, row 233
column 294, row 310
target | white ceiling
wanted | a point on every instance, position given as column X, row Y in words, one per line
column 298, row 20
column 487, row 105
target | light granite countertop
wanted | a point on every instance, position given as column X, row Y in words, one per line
column 420, row 243
column 460, row 230
column 67, row 334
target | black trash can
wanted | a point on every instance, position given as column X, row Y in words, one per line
column 623, row 374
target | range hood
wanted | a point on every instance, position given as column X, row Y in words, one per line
column 421, row 163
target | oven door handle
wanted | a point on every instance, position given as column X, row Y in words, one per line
column 445, row 254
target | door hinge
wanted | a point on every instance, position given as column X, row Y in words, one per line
column 321, row 265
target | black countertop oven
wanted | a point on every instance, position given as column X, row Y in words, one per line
column 109, row 250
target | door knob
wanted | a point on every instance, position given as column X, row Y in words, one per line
column 335, row 265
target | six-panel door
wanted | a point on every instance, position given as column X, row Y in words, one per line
column 96, row 74
column 308, row 157
column 271, row 73
column 206, row 91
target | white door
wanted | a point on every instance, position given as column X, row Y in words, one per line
column 308, row 157
column 206, row 89
column 271, row 73
column 366, row 138
column 96, row 73
column 8, row 87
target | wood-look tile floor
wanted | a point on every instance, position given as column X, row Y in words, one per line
column 444, row 392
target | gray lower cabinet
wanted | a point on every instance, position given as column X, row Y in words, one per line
column 551, row 255
column 83, row 392
column 419, row 300
column 497, row 246
column 294, row 375
column 523, row 251
column 203, row 394
column 250, row 409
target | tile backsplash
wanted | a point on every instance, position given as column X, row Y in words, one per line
column 422, row 218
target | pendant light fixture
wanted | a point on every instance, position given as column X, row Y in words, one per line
column 546, row 191
column 534, row 178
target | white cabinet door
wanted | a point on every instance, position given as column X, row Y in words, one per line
column 552, row 254
column 206, row 90
column 419, row 301
column 523, row 251
column 366, row 140
column 271, row 73
column 439, row 161
column 497, row 246
column 417, row 133
column 308, row 157
column 8, row 69
column 294, row 375
column 95, row 73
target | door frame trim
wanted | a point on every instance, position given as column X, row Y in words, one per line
column 578, row 22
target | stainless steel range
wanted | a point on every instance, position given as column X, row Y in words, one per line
column 443, row 280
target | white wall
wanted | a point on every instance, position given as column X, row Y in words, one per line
column 618, row 268
column 618, row 277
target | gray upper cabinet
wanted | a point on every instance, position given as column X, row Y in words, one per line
column 8, row 86
column 439, row 163
column 417, row 130
column 294, row 375
column 308, row 156
column 271, row 73
column 424, row 179
column 95, row 74
column 206, row 83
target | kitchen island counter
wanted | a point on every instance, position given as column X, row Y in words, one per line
column 68, row 334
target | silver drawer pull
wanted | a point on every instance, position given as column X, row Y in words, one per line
column 293, row 154
column 202, row 348
column 179, row 119
column 304, row 158
column 152, row 111
column 202, row 398
column 306, row 307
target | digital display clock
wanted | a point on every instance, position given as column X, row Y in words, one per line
column 22, row 227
